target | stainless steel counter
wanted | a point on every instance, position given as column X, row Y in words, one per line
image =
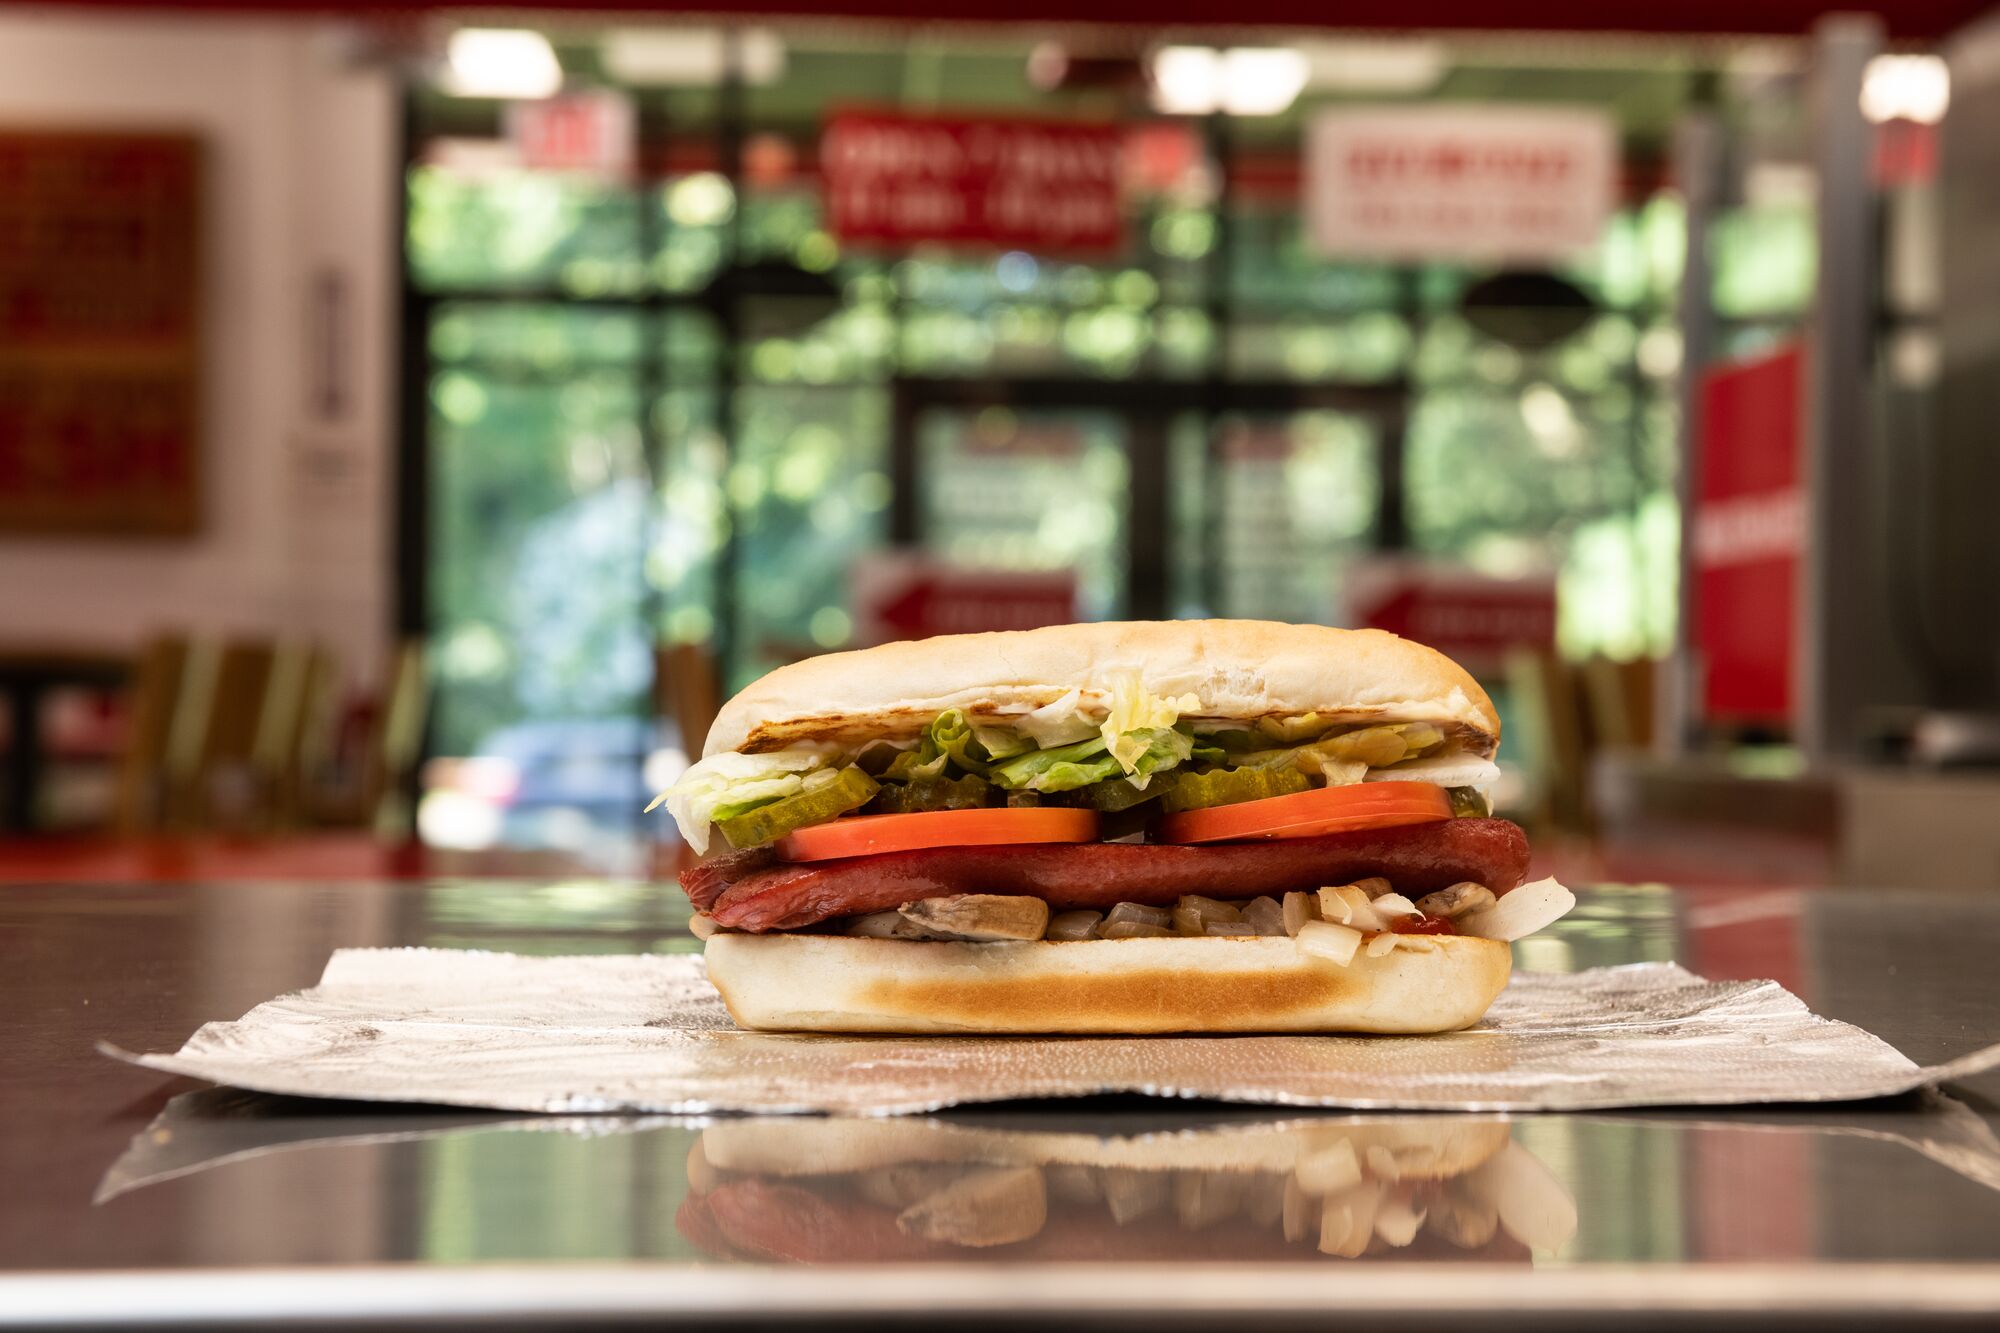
column 128, row 1198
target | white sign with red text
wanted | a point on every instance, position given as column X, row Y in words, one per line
column 1467, row 181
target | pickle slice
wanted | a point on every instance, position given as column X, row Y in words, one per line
column 1118, row 794
column 1469, row 803
column 848, row 789
column 909, row 798
column 1377, row 747
column 1231, row 786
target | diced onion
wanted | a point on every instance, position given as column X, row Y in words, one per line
column 1446, row 770
column 1211, row 909
column 1520, row 913
column 1533, row 1206
column 1138, row 914
column 1397, row 1221
column 1265, row 916
column 1131, row 930
column 1394, row 904
column 1329, row 1170
column 1347, row 1221
column 1379, row 946
column 1300, row 908
column 1350, row 906
column 1074, row 925
column 1298, row 1209
column 1324, row 939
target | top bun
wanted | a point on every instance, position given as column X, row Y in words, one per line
column 1241, row 670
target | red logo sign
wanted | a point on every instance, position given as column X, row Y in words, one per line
column 1748, row 530
column 1470, row 618
column 591, row 133
column 905, row 597
column 1008, row 184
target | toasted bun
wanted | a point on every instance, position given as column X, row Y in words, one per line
column 1423, row 1148
column 834, row 983
column 1239, row 669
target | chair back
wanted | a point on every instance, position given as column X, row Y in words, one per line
column 157, row 672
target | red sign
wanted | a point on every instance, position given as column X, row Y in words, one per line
column 592, row 133
column 908, row 597
column 1047, row 186
column 1468, row 617
column 100, row 333
column 1748, row 531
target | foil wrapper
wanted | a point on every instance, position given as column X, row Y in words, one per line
column 647, row 1033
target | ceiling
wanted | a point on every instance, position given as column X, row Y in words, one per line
column 1904, row 19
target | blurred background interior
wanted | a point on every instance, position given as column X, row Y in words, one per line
column 413, row 423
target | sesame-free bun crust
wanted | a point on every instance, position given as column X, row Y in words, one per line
column 834, row 983
column 1240, row 670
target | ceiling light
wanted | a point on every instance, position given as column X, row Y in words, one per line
column 1186, row 79
column 501, row 62
column 1375, row 66
column 1906, row 88
column 1242, row 81
column 1261, row 81
column 691, row 57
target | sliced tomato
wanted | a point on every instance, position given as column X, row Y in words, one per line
column 871, row 835
column 1364, row 805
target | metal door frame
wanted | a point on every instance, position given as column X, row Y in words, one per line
column 1149, row 405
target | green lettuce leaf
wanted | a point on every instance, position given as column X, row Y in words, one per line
column 951, row 733
column 1060, row 768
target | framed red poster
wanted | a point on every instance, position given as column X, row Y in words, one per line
column 99, row 333
column 1048, row 186
column 1748, row 530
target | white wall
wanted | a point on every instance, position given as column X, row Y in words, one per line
column 301, row 177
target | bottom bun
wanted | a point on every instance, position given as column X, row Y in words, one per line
column 834, row 983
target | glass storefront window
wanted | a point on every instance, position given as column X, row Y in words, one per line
column 808, row 489
column 577, row 327
column 515, row 229
column 1031, row 491
column 1298, row 495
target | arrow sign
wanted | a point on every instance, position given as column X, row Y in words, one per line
column 907, row 597
column 1469, row 618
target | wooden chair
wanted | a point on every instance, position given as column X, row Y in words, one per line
column 138, row 805
column 1619, row 699
column 687, row 687
column 1549, row 708
column 211, row 777
column 397, row 745
column 293, row 730
column 365, row 782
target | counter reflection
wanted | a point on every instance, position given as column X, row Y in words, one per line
column 835, row 1191
column 270, row 1179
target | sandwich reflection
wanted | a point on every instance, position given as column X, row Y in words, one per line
column 845, row 1192
column 274, row 1177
